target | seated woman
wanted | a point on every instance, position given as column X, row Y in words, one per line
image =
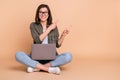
column 43, row 31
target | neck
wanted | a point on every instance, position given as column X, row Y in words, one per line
column 44, row 23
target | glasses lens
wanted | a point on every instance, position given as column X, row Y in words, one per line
column 45, row 13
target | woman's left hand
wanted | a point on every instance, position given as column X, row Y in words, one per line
column 65, row 32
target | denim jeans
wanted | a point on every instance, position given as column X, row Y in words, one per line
column 60, row 60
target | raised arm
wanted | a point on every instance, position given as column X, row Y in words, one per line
column 43, row 35
column 63, row 35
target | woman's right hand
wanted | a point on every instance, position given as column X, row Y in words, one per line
column 53, row 25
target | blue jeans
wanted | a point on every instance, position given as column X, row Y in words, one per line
column 60, row 60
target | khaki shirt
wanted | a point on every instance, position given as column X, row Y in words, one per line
column 37, row 30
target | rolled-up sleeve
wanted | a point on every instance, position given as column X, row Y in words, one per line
column 35, row 34
column 57, row 37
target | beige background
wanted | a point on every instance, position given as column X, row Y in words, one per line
column 94, row 38
column 94, row 31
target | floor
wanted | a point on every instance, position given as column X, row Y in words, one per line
column 78, row 69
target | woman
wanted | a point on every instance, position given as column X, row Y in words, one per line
column 43, row 31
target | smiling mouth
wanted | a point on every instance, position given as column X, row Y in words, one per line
column 43, row 18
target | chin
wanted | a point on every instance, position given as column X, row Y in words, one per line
column 43, row 20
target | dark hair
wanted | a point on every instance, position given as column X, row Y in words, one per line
column 37, row 19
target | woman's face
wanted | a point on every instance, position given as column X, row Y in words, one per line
column 43, row 14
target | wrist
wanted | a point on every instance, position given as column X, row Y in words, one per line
column 49, row 29
column 62, row 35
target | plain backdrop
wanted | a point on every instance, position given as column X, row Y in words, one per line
column 94, row 26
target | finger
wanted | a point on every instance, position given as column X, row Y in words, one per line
column 56, row 21
column 68, row 27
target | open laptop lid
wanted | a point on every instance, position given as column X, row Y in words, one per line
column 43, row 51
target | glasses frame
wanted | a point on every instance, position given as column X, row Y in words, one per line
column 41, row 13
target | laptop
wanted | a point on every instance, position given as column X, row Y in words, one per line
column 43, row 51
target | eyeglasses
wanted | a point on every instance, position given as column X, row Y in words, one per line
column 41, row 13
